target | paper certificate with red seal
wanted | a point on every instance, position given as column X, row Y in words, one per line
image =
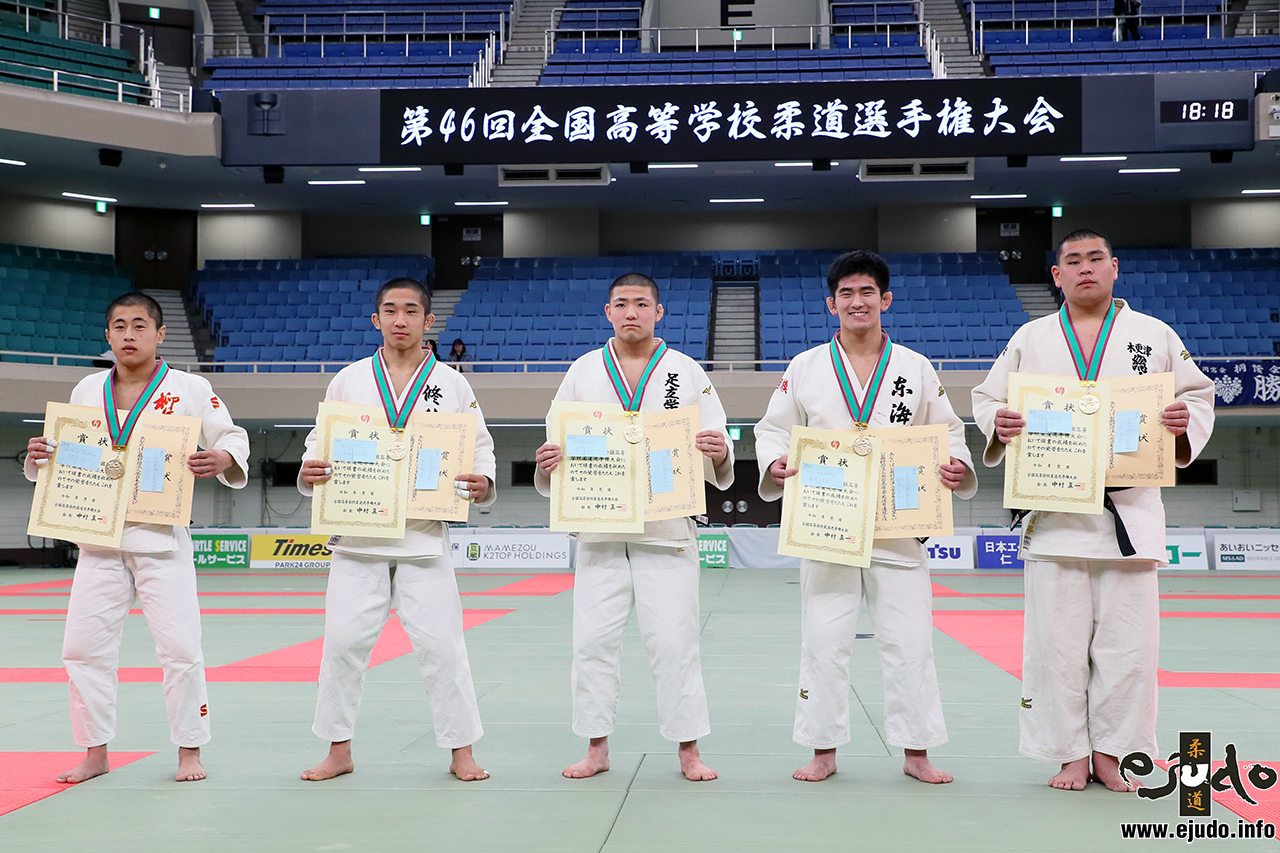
column 597, row 487
column 829, row 507
column 1059, row 460
column 76, row 499
column 369, row 490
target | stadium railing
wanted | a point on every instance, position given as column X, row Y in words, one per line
column 784, row 36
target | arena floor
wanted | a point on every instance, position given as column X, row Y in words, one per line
column 1220, row 662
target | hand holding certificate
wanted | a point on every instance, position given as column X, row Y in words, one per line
column 368, row 493
column 441, row 446
column 829, row 508
column 621, row 469
column 1142, row 450
column 1058, row 461
column 912, row 500
column 77, row 498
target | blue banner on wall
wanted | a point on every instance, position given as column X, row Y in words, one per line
column 1244, row 383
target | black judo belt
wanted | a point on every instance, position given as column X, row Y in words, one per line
column 1122, row 533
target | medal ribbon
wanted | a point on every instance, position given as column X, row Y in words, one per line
column 861, row 411
column 631, row 402
column 1087, row 370
column 120, row 433
column 396, row 416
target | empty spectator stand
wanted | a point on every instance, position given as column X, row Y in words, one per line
column 292, row 311
column 1094, row 52
column 552, row 309
column 862, row 14
column 945, row 305
column 1221, row 302
column 351, row 65
column 55, row 301
column 383, row 17
column 870, row 58
column 585, row 15
column 32, row 54
column 1093, row 11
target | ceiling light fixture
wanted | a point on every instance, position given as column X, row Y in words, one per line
column 996, row 196
column 90, row 197
column 736, row 200
column 481, row 203
column 1094, row 158
column 243, row 206
column 1261, row 192
column 389, row 169
column 335, row 183
column 1166, row 170
column 673, row 165
column 6, row 162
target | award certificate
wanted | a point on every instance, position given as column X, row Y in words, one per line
column 596, row 487
column 673, row 467
column 912, row 500
column 829, row 508
column 441, row 446
column 1058, row 462
column 162, row 485
column 75, row 499
column 368, row 492
column 1142, row 450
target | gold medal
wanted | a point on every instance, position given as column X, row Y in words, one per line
column 633, row 434
column 862, row 445
column 113, row 468
column 1089, row 404
column 397, row 450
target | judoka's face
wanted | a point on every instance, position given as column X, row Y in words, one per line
column 633, row 312
column 1086, row 272
column 858, row 303
column 402, row 320
column 133, row 335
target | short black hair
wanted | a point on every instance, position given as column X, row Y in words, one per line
column 634, row 279
column 424, row 292
column 132, row 298
column 1081, row 234
column 858, row 262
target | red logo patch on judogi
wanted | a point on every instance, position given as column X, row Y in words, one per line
column 782, row 386
column 217, row 404
column 165, row 403
column 204, row 710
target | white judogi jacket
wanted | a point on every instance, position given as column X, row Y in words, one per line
column 1139, row 344
column 809, row 395
column 677, row 381
column 180, row 393
column 445, row 391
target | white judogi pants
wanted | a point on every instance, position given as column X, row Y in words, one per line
column 662, row 584
column 106, row 585
column 357, row 604
column 900, row 601
column 1090, row 649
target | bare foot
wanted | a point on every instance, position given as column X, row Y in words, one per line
column 464, row 766
column 917, row 764
column 336, row 763
column 189, row 767
column 1106, row 769
column 597, row 761
column 94, row 764
column 822, row 766
column 691, row 764
column 1073, row 776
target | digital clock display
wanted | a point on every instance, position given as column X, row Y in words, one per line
column 1191, row 112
